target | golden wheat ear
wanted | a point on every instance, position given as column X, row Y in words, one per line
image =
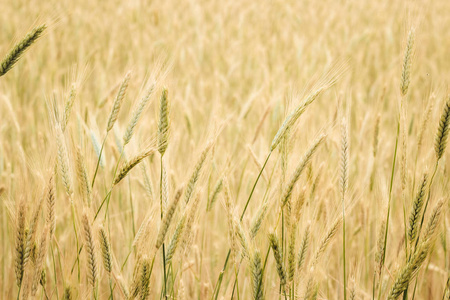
column 19, row 49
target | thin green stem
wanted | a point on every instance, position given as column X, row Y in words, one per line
column 18, row 292
column 111, row 289
column 343, row 249
column 254, row 185
column 389, row 204
column 76, row 238
column 99, row 159
column 162, row 214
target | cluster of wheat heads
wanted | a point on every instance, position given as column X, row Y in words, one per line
column 277, row 241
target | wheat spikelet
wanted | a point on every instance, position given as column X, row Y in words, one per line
column 51, row 206
column 147, row 181
column 67, row 293
column 344, row 161
column 189, row 223
column 433, row 221
column 165, row 223
column 258, row 219
column 326, row 240
column 38, row 267
column 379, row 256
column 408, row 272
column 275, row 245
column 63, row 162
column 424, row 123
column 34, row 224
column 21, row 240
column 196, row 173
column 300, row 167
column 106, row 249
column 242, row 237
column 26, row 286
column 376, row 133
column 181, row 290
column 291, row 253
column 403, row 163
column 68, row 107
column 443, row 129
column 90, row 251
column 144, row 282
column 174, row 241
column 417, row 209
column 43, row 278
column 215, row 194
column 122, row 286
column 229, row 208
column 164, row 123
column 293, row 117
column 83, row 179
column 303, row 248
column 136, row 116
column 128, row 166
column 142, row 231
column 257, row 276
column 312, row 289
column 97, row 148
column 118, row 102
column 164, row 186
column 19, row 49
column 407, row 61
column 299, row 204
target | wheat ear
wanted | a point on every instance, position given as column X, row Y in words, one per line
column 443, row 129
column 416, row 210
column 68, row 107
column 257, row 276
column 51, row 206
column 196, row 172
column 106, row 249
column 167, row 219
column 128, row 166
column 19, row 49
column 407, row 61
column 303, row 248
column 38, row 268
column 90, row 251
column 300, row 167
column 164, row 123
column 118, row 102
column 136, row 116
column 21, row 240
column 83, row 178
column 275, row 245
column 293, row 117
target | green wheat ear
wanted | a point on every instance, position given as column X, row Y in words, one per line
column 19, row 49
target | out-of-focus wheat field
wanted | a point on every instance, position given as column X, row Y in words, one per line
column 352, row 217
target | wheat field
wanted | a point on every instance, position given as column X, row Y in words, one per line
column 224, row 149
